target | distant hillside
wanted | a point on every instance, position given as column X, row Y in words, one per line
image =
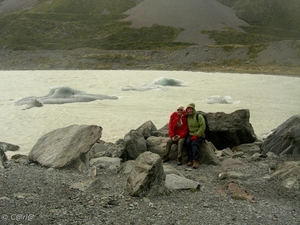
column 270, row 20
column 118, row 24
column 192, row 17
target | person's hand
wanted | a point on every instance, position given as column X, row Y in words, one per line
column 176, row 138
column 194, row 137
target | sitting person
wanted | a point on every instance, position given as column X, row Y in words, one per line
column 177, row 130
column 196, row 135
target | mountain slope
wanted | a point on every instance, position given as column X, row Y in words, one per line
column 193, row 16
column 145, row 25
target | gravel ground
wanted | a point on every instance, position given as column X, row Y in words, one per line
column 31, row 194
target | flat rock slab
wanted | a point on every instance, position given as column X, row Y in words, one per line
column 176, row 182
column 88, row 185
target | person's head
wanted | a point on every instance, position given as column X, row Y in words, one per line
column 190, row 108
column 180, row 109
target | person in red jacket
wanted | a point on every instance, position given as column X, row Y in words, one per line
column 178, row 130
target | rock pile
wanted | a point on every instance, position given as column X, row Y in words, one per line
column 231, row 138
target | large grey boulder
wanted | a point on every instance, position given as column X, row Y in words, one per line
column 64, row 146
column 147, row 129
column 285, row 139
column 147, row 177
column 134, row 145
column 229, row 130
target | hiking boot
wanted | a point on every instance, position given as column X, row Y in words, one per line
column 189, row 164
column 179, row 161
column 195, row 164
column 165, row 158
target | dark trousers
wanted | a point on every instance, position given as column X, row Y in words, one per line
column 193, row 148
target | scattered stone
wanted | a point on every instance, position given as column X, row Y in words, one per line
column 92, row 172
column 233, row 163
column 227, row 152
column 234, row 189
column 237, row 154
column 290, row 183
column 106, row 162
column 177, row 182
column 256, row 157
column 87, row 185
column 201, row 178
column 287, row 169
column 250, row 148
column 18, row 158
column 4, row 199
column 219, row 153
column 233, row 175
column 271, row 155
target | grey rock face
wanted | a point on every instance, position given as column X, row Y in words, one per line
column 147, row 177
column 63, row 146
column 285, row 139
column 134, row 145
column 229, row 130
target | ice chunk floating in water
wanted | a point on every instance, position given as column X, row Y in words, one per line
column 165, row 81
column 61, row 95
column 217, row 99
column 156, row 84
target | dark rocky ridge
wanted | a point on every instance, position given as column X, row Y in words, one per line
column 279, row 58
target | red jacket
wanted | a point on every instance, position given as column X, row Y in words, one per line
column 177, row 126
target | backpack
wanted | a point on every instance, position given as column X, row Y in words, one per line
column 206, row 123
